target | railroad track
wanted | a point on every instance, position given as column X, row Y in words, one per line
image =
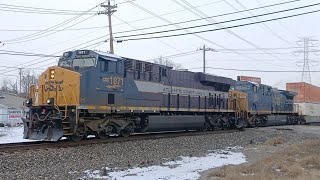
column 24, row 146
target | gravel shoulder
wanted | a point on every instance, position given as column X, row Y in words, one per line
column 71, row 163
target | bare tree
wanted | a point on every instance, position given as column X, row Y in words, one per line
column 167, row 62
column 7, row 85
column 28, row 78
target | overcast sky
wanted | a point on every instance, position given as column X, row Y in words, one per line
column 247, row 40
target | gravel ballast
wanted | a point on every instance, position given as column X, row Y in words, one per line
column 71, row 163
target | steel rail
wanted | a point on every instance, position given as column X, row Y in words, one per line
column 36, row 145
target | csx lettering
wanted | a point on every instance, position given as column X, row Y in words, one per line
column 53, row 86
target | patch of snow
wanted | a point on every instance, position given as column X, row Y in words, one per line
column 243, row 174
column 186, row 168
column 12, row 135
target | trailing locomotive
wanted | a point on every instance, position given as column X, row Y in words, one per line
column 268, row 106
column 97, row 93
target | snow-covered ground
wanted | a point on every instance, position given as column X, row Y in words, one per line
column 186, row 168
column 11, row 135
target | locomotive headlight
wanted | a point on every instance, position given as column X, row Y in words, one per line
column 52, row 73
column 28, row 102
column 50, row 101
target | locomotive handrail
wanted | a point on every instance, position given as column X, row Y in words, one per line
column 76, row 102
column 66, row 106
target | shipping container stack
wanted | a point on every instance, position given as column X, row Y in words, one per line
column 307, row 101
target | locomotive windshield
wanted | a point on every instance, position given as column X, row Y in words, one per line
column 78, row 62
column 84, row 62
column 65, row 62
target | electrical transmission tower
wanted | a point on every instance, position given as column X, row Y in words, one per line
column 109, row 10
column 306, row 43
column 204, row 49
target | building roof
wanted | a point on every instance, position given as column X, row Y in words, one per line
column 11, row 100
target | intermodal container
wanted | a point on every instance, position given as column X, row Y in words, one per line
column 306, row 92
column 310, row 111
column 250, row 79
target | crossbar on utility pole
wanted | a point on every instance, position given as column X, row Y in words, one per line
column 109, row 10
column 204, row 49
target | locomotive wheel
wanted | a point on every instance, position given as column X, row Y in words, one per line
column 205, row 127
column 76, row 137
column 127, row 131
column 105, row 133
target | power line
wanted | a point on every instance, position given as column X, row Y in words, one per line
column 44, row 9
column 37, row 10
column 216, row 23
column 34, row 55
column 211, row 20
column 15, row 53
column 196, row 35
column 176, row 55
column 204, row 18
column 253, row 70
column 269, row 49
column 100, row 27
column 152, row 27
column 230, row 27
column 13, row 67
column 46, row 35
column 167, row 44
column 50, row 28
column 263, row 25
column 33, row 61
column 279, row 22
column 15, row 10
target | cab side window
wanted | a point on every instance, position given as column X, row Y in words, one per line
column 119, row 67
column 108, row 66
column 104, row 66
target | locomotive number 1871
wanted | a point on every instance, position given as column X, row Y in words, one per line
column 113, row 81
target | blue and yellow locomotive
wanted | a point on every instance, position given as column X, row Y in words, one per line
column 98, row 93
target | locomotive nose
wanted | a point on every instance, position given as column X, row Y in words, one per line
column 58, row 90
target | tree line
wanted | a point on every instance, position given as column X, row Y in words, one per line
column 18, row 87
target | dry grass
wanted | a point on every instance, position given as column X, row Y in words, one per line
column 298, row 162
column 311, row 161
column 275, row 141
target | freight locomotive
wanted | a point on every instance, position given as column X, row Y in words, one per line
column 96, row 93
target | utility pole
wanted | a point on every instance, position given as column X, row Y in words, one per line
column 109, row 10
column 16, row 86
column 20, row 73
column 306, row 43
column 204, row 49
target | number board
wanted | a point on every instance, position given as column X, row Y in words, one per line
column 82, row 52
